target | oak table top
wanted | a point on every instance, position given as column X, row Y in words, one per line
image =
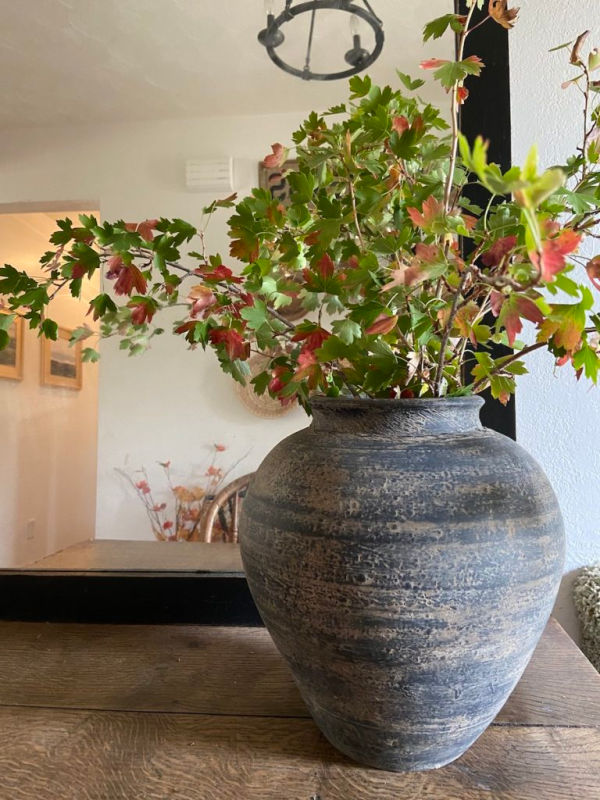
column 104, row 712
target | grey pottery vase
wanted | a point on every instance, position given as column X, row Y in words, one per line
column 405, row 561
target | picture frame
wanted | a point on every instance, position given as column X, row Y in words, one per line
column 61, row 363
column 274, row 180
column 11, row 357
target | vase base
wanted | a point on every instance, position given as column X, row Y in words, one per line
column 406, row 750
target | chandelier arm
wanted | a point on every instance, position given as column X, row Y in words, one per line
column 310, row 39
column 371, row 12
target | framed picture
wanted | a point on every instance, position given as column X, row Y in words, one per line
column 275, row 180
column 61, row 362
column 11, row 357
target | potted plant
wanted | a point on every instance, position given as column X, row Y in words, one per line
column 404, row 559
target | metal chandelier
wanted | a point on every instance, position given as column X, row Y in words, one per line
column 357, row 57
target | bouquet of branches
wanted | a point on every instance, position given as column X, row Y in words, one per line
column 179, row 520
column 406, row 284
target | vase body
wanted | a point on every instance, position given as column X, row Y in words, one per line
column 405, row 561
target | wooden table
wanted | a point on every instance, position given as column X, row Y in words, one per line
column 187, row 713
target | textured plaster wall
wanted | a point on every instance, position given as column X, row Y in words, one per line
column 558, row 420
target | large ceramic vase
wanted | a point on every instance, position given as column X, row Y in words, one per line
column 405, row 561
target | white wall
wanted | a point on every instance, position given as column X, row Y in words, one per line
column 47, row 438
column 558, row 420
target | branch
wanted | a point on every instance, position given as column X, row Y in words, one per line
column 355, row 212
column 233, row 289
column 446, row 335
column 480, row 384
column 455, row 111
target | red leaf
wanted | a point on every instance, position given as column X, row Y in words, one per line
column 115, row 265
column 382, row 325
column 235, row 346
column 221, row 273
column 78, row 271
column 554, row 250
column 496, row 302
column 277, row 157
column 514, row 309
column 427, row 253
column 432, row 209
column 498, row 251
column 144, row 228
column 433, row 63
column 141, row 312
column 307, row 366
column 312, row 339
column 400, row 125
column 130, row 278
column 325, row 267
column 475, row 60
column 462, row 94
column 276, row 383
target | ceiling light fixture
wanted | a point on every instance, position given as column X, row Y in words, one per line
column 357, row 57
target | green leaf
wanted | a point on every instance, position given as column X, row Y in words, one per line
column 585, row 358
column 347, row 330
column 409, row 83
column 360, row 87
column 256, row 315
column 453, row 72
column 438, row 27
column 101, row 305
column 261, row 382
column 49, row 329
column 89, row 354
column 561, row 46
column 6, row 321
column 81, row 333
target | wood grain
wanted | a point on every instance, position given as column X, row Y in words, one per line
column 47, row 754
column 233, row 671
column 559, row 687
column 145, row 668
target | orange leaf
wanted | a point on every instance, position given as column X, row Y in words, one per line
column 593, row 271
column 503, row 15
column 277, row 157
column 382, row 325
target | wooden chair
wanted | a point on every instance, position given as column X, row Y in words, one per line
column 223, row 512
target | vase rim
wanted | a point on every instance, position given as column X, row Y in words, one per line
column 466, row 401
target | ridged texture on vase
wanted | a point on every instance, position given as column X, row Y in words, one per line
column 405, row 561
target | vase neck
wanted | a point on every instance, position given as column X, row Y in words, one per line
column 394, row 418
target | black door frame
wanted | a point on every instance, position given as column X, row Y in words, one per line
column 224, row 599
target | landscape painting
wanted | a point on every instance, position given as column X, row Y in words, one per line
column 61, row 362
column 11, row 356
